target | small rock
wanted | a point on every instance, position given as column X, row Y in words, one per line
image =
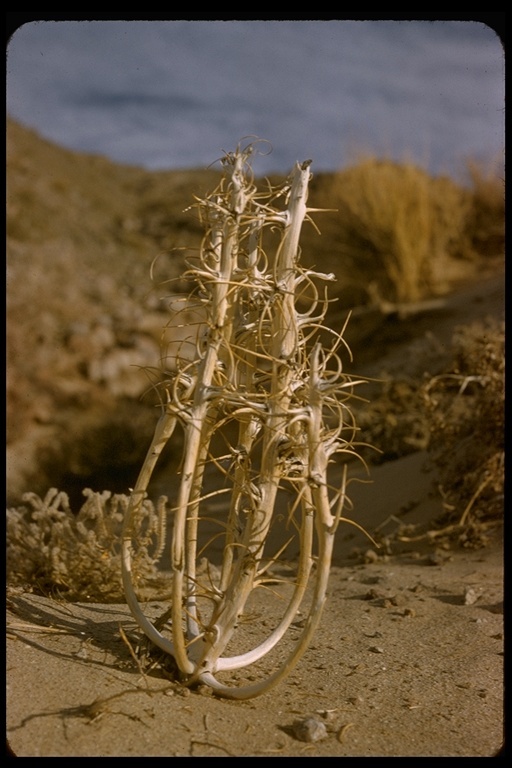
column 376, row 649
column 435, row 558
column 372, row 580
column 309, row 729
column 398, row 600
column 471, row 595
column 375, row 594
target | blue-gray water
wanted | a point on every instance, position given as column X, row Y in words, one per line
column 174, row 94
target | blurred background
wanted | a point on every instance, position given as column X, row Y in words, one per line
column 113, row 131
column 174, row 94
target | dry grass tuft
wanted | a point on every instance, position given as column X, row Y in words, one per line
column 405, row 220
column 485, row 227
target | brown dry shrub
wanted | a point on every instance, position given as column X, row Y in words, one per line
column 405, row 219
column 485, row 226
column 50, row 550
column 393, row 421
column 466, row 411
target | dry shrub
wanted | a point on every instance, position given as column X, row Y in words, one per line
column 466, row 411
column 393, row 422
column 485, row 228
column 406, row 220
column 52, row 550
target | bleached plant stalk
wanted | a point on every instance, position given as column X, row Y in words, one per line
column 261, row 379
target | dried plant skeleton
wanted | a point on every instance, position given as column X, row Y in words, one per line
column 264, row 409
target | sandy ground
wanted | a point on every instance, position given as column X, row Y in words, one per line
column 408, row 660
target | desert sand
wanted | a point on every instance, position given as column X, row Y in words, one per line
column 408, row 662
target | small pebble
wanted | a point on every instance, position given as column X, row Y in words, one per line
column 376, row 649
column 374, row 594
column 398, row 600
column 309, row 729
column 471, row 595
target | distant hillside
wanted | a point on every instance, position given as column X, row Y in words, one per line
column 82, row 235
